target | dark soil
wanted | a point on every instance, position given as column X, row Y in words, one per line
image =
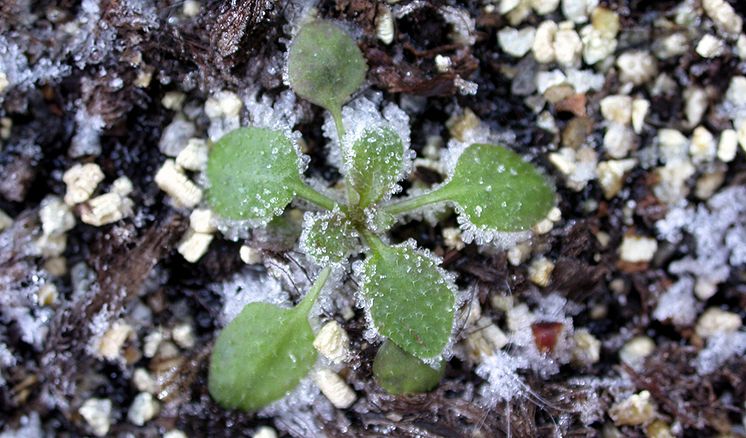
column 234, row 45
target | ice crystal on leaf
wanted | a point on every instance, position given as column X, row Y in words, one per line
column 364, row 114
column 412, row 299
column 374, row 163
column 409, row 300
column 494, row 189
column 264, row 352
column 278, row 114
column 254, row 173
column 328, row 237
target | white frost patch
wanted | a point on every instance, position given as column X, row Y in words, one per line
column 30, row 427
column 6, row 360
column 678, row 304
column 500, row 239
column 464, row 26
column 20, row 304
column 88, row 129
column 280, row 114
column 720, row 348
column 247, row 287
column 98, row 327
column 303, row 412
column 500, row 370
column 719, row 229
column 233, row 229
column 550, row 308
column 589, row 406
column 18, row 73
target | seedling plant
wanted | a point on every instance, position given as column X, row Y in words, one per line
column 254, row 173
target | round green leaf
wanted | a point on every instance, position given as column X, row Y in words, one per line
column 325, row 65
column 400, row 373
column 253, row 173
column 328, row 237
column 411, row 299
column 497, row 191
column 260, row 356
column 374, row 164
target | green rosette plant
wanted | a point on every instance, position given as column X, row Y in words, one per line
column 254, row 173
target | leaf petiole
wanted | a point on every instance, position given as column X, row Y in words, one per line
column 352, row 196
column 406, row 205
column 337, row 117
column 374, row 242
column 309, row 194
column 307, row 302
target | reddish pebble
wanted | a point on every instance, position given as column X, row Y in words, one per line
column 546, row 335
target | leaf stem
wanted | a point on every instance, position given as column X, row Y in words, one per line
column 374, row 242
column 337, row 116
column 304, row 191
column 405, row 205
column 307, row 302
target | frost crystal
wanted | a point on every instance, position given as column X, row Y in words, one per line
column 247, row 287
column 30, row 427
column 6, row 360
column 87, row 135
column 303, row 412
column 94, row 38
column 678, row 304
column 18, row 73
column 552, row 308
column 360, row 115
column 327, row 237
column 280, row 114
column 19, row 304
column 500, row 370
column 233, row 229
column 98, row 326
column 720, row 348
column 719, row 230
column 501, row 239
column 176, row 137
column 463, row 24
